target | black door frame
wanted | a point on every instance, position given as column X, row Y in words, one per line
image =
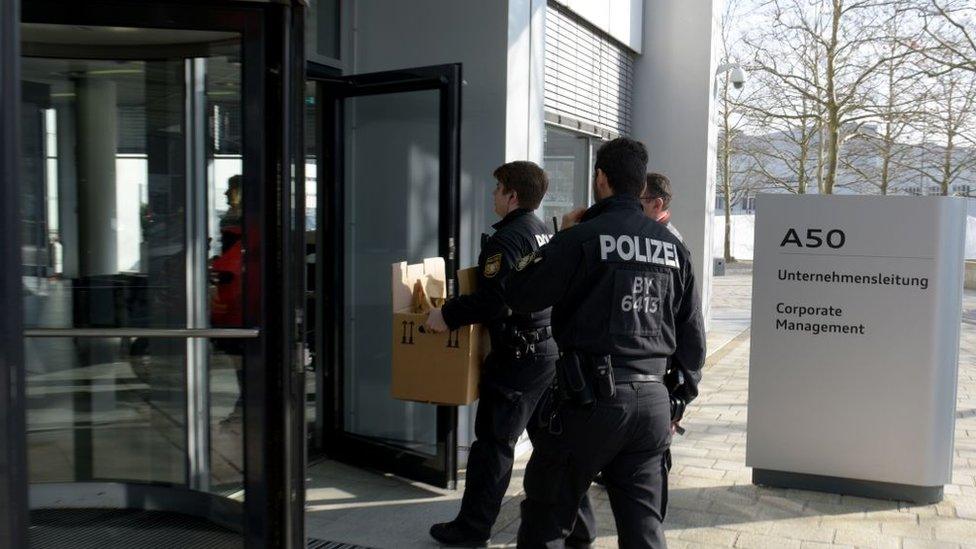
column 272, row 75
column 315, row 336
column 440, row 469
column 13, row 454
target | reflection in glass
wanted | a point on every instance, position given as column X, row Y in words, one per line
column 313, row 412
column 225, row 288
column 226, row 415
column 105, row 199
column 322, row 28
column 104, row 193
column 132, row 215
column 104, row 409
column 567, row 163
column 391, row 215
column 226, row 291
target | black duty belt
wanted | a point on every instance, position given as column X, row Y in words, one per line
column 523, row 342
column 620, row 377
column 624, row 365
column 533, row 335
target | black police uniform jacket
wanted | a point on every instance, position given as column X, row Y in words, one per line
column 517, row 234
column 619, row 284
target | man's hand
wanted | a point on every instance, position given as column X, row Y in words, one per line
column 572, row 218
column 435, row 322
column 677, row 428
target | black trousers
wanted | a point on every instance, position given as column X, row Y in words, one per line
column 627, row 437
column 509, row 397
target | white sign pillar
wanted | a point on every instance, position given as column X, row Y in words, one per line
column 855, row 343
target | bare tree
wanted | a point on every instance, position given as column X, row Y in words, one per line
column 736, row 175
column 950, row 26
column 784, row 157
column 876, row 155
column 844, row 36
column 784, row 151
column 946, row 155
column 731, row 121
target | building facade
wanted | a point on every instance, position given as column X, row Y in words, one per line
column 209, row 195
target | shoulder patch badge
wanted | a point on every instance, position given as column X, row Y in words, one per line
column 493, row 265
column 526, row 260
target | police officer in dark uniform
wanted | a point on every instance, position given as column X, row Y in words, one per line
column 623, row 302
column 520, row 366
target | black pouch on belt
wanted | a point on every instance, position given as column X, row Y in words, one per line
column 574, row 382
column 603, row 377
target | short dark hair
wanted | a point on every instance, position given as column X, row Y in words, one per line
column 659, row 186
column 527, row 179
column 624, row 161
column 234, row 182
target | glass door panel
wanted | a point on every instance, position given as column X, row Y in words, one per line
column 387, row 192
column 315, row 395
column 97, row 413
column 154, row 163
column 104, row 193
column 132, row 202
column 391, row 215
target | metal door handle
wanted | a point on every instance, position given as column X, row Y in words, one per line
column 211, row 333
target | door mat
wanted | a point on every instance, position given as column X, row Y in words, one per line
column 323, row 544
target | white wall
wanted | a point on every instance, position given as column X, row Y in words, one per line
column 500, row 45
column 621, row 19
column 525, row 120
column 743, row 236
column 674, row 116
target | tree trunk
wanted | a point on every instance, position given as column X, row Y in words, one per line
column 833, row 148
column 889, row 117
column 801, row 173
column 833, row 115
column 727, row 189
column 728, row 232
column 821, row 151
column 884, row 173
column 947, row 165
column 727, row 169
column 887, row 145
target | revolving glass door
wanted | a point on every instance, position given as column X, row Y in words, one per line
column 147, row 238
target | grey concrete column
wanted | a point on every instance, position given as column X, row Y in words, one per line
column 97, row 138
column 673, row 115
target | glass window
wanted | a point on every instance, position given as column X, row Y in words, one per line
column 568, row 163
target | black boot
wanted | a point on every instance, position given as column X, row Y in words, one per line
column 456, row 534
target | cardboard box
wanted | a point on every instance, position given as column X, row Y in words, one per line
column 436, row 368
